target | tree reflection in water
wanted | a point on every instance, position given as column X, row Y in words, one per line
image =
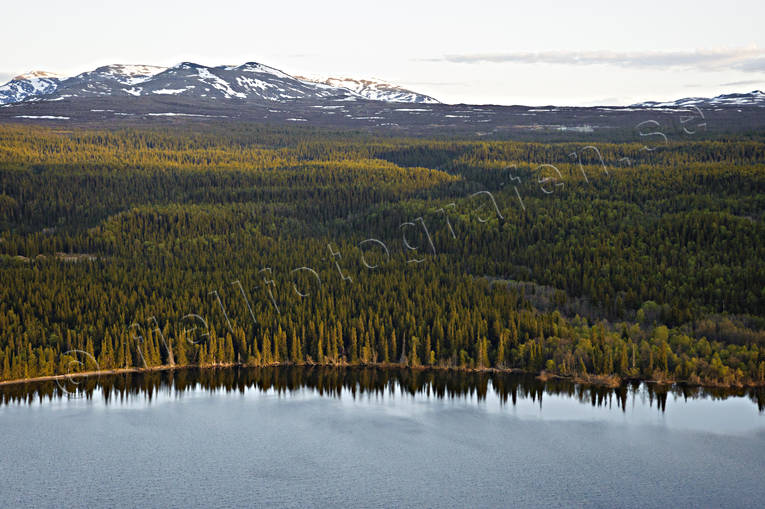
column 357, row 382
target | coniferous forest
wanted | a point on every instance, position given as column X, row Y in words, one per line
column 184, row 245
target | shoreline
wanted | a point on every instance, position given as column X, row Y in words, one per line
column 609, row 381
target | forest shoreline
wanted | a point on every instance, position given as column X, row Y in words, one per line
column 609, row 381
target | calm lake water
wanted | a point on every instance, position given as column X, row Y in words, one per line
column 300, row 437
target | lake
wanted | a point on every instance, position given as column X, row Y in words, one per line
column 310, row 437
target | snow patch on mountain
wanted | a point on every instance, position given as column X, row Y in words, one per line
column 260, row 68
column 753, row 98
column 121, row 73
column 376, row 90
column 216, row 82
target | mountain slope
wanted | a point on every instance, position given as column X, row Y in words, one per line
column 250, row 82
column 109, row 80
column 376, row 90
column 32, row 84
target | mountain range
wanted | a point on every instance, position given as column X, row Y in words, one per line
column 249, row 82
column 754, row 98
column 254, row 92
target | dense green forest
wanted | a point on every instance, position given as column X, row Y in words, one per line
column 191, row 245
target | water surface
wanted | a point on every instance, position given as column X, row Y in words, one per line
column 301, row 437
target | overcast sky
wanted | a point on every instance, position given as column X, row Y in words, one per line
column 504, row 52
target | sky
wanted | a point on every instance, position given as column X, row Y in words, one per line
column 479, row 52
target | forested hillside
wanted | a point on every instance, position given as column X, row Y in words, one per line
column 145, row 247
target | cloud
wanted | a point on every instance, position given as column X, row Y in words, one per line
column 742, row 83
column 6, row 76
column 749, row 59
column 754, row 65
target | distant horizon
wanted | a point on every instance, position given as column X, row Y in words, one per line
column 732, row 88
column 553, row 53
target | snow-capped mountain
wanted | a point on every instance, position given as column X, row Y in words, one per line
column 35, row 83
column 376, row 90
column 250, row 82
column 117, row 73
column 104, row 81
column 754, row 98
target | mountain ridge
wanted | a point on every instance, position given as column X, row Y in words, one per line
column 753, row 98
column 375, row 89
column 251, row 81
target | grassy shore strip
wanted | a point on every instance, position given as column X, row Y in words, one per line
column 610, row 381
